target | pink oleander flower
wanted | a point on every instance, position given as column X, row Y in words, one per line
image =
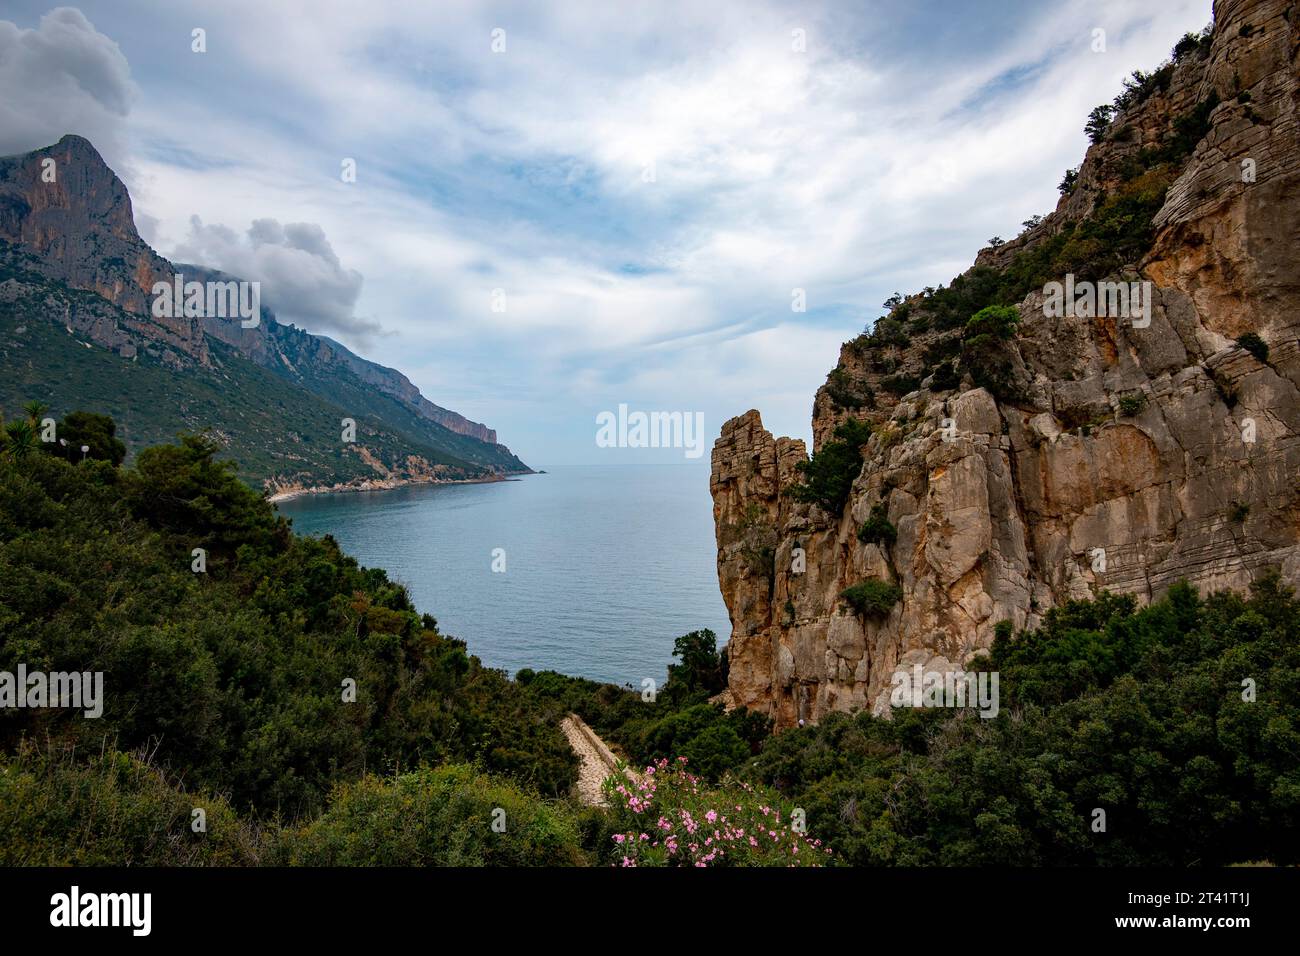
column 711, row 816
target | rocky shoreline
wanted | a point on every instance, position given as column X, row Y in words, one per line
column 388, row 484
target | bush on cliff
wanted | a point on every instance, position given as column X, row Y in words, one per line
column 872, row 597
column 829, row 475
column 878, row 529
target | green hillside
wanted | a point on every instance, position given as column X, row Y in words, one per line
column 270, row 426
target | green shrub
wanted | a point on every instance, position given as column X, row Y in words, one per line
column 699, row 666
column 442, row 817
column 97, row 433
column 234, row 675
column 1099, row 121
column 847, row 392
column 984, row 351
column 872, row 597
column 1131, row 405
column 1192, row 43
column 877, row 528
column 946, row 377
column 994, row 321
column 110, row 809
column 1069, row 181
column 829, row 475
column 1253, row 344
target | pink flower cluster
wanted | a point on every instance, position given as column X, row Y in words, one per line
column 672, row 822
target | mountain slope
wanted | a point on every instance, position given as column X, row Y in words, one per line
column 1020, row 457
column 75, row 283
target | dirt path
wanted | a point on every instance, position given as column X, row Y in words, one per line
column 598, row 762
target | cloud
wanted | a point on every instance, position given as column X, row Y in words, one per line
column 302, row 279
column 63, row 76
column 878, row 159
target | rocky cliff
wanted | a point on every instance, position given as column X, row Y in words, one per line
column 69, row 218
column 1030, row 457
column 70, row 254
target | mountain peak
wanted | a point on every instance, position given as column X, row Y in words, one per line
column 65, row 215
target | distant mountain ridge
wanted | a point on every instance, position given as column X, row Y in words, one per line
column 66, row 229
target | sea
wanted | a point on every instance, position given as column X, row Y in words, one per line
column 592, row 571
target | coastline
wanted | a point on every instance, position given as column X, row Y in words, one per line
column 388, row 484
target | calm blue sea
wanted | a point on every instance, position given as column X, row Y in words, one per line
column 604, row 565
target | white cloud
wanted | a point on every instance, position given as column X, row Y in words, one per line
column 62, row 76
column 302, row 280
column 877, row 160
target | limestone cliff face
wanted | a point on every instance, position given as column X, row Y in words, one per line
column 71, row 216
column 1119, row 457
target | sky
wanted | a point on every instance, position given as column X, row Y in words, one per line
column 560, row 208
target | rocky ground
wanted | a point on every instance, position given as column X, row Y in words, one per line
column 595, row 766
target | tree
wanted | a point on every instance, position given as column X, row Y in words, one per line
column 183, row 489
column 878, row 529
column 97, row 432
column 1099, row 121
column 996, row 321
column 21, row 440
column 829, row 475
column 35, row 412
column 1069, row 181
column 984, row 351
column 701, row 667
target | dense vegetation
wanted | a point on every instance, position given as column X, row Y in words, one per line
column 1178, row 720
column 284, row 423
column 675, row 721
column 234, row 673
column 226, row 694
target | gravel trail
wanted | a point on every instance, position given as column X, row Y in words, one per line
column 596, row 766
